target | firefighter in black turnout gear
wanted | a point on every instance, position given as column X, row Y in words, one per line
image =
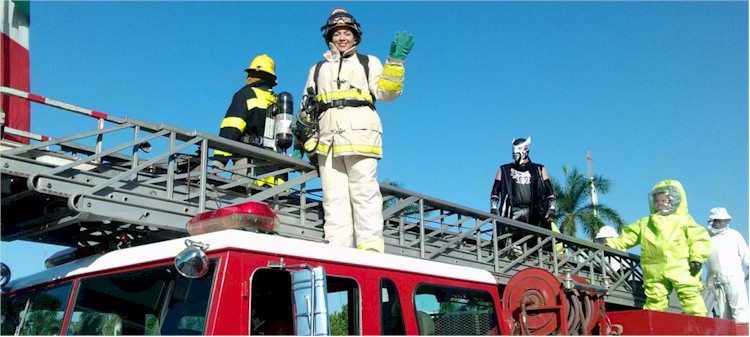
column 249, row 118
column 522, row 191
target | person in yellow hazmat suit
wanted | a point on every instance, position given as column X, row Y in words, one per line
column 673, row 248
column 347, row 142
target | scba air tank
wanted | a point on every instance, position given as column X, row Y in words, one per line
column 283, row 121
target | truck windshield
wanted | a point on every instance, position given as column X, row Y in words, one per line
column 154, row 301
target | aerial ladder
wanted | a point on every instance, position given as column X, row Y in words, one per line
column 126, row 182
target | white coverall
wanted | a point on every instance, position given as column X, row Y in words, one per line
column 349, row 145
column 726, row 263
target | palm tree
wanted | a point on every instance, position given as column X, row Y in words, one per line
column 574, row 206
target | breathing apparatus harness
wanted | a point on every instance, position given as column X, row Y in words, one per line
column 308, row 125
column 312, row 108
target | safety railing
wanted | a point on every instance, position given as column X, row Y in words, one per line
column 127, row 182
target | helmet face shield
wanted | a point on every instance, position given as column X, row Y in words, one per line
column 521, row 150
column 664, row 200
column 341, row 18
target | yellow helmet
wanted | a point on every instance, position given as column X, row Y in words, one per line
column 262, row 63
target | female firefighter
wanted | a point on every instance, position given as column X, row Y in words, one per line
column 347, row 141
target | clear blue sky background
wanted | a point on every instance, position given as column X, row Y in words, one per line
column 654, row 90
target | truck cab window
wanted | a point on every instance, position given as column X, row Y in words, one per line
column 391, row 318
column 142, row 302
column 271, row 304
column 343, row 306
column 443, row 310
column 39, row 312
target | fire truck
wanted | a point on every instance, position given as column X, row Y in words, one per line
column 162, row 242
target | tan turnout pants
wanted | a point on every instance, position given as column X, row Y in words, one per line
column 352, row 203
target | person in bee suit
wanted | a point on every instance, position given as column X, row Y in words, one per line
column 248, row 118
column 347, row 142
column 726, row 267
column 601, row 238
column 673, row 247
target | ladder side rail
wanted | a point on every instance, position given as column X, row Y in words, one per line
column 443, row 232
column 59, row 140
column 268, row 193
column 77, row 148
column 466, row 211
column 459, row 238
column 138, row 167
column 23, row 133
column 246, row 150
column 94, row 158
column 398, row 206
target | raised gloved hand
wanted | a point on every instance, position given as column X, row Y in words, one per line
column 695, row 268
column 401, row 45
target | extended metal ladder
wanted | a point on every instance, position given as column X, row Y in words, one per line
column 75, row 191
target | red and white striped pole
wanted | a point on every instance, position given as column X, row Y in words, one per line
column 14, row 65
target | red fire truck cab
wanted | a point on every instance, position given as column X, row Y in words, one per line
column 239, row 282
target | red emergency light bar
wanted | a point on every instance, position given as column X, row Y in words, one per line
column 250, row 214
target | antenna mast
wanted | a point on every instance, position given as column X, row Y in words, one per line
column 592, row 188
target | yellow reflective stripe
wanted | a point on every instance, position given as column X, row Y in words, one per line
column 233, row 122
column 393, row 70
column 344, row 94
column 222, row 153
column 322, row 147
column 358, row 148
column 310, row 144
column 389, row 85
column 261, row 100
column 375, row 244
column 377, row 150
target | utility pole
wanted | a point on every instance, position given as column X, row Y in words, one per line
column 592, row 188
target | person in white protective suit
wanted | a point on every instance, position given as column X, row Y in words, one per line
column 726, row 267
column 601, row 238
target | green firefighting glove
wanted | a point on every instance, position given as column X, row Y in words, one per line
column 401, row 45
column 298, row 150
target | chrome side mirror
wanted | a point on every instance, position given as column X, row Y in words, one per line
column 192, row 261
column 4, row 274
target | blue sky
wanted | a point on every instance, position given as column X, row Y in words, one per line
column 654, row 90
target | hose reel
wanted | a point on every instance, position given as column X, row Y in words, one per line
column 535, row 302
